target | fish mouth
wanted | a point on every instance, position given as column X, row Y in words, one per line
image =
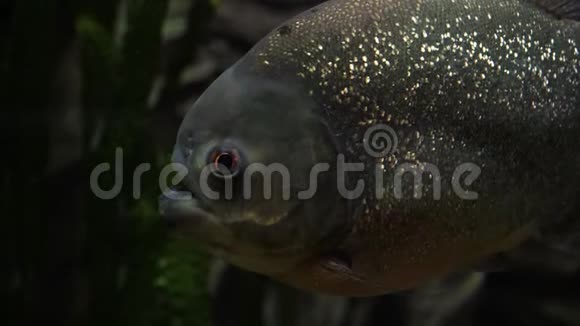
column 179, row 206
column 188, row 216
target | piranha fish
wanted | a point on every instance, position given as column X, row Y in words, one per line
column 371, row 146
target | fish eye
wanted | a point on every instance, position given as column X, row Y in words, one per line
column 225, row 163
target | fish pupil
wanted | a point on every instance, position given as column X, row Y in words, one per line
column 226, row 160
column 225, row 163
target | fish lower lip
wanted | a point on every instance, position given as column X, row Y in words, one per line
column 176, row 194
column 178, row 206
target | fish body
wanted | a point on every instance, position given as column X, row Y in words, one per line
column 476, row 106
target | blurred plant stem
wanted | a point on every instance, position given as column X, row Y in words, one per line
column 76, row 87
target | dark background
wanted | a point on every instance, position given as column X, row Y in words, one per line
column 82, row 78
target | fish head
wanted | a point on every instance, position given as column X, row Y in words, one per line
column 260, row 188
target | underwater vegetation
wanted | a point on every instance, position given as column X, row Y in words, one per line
column 81, row 79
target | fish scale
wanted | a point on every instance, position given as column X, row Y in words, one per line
column 475, row 65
